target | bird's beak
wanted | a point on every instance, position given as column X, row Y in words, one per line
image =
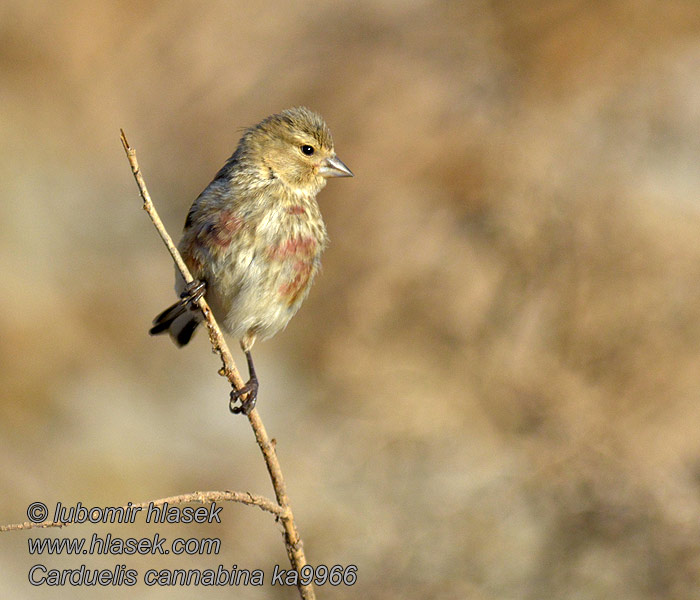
column 334, row 167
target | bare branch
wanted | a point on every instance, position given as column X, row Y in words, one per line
column 216, row 337
column 293, row 543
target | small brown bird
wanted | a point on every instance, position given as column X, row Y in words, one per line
column 254, row 237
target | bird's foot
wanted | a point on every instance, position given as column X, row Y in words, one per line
column 194, row 290
column 251, row 390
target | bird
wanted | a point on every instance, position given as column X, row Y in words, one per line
column 253, row 238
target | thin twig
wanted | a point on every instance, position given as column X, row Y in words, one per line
column 292, row 540
column 217, row 339
column 203, row 497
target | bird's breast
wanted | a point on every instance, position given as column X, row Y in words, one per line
column 297, row 237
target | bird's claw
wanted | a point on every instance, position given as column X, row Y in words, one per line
column 194, row 290
column 251, row 390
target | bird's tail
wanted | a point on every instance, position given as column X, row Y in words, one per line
column 178, row 321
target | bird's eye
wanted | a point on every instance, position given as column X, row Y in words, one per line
column 308, row 150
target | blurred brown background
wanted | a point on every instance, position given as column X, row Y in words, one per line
column 492, row 391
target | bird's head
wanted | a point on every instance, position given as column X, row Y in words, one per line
column 296, row 147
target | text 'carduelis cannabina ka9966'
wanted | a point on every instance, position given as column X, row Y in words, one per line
column 254, row 237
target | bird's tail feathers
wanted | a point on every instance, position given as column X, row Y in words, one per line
column 178, row 321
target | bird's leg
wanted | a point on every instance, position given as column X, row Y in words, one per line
column 250, row 388
column 194, row 290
